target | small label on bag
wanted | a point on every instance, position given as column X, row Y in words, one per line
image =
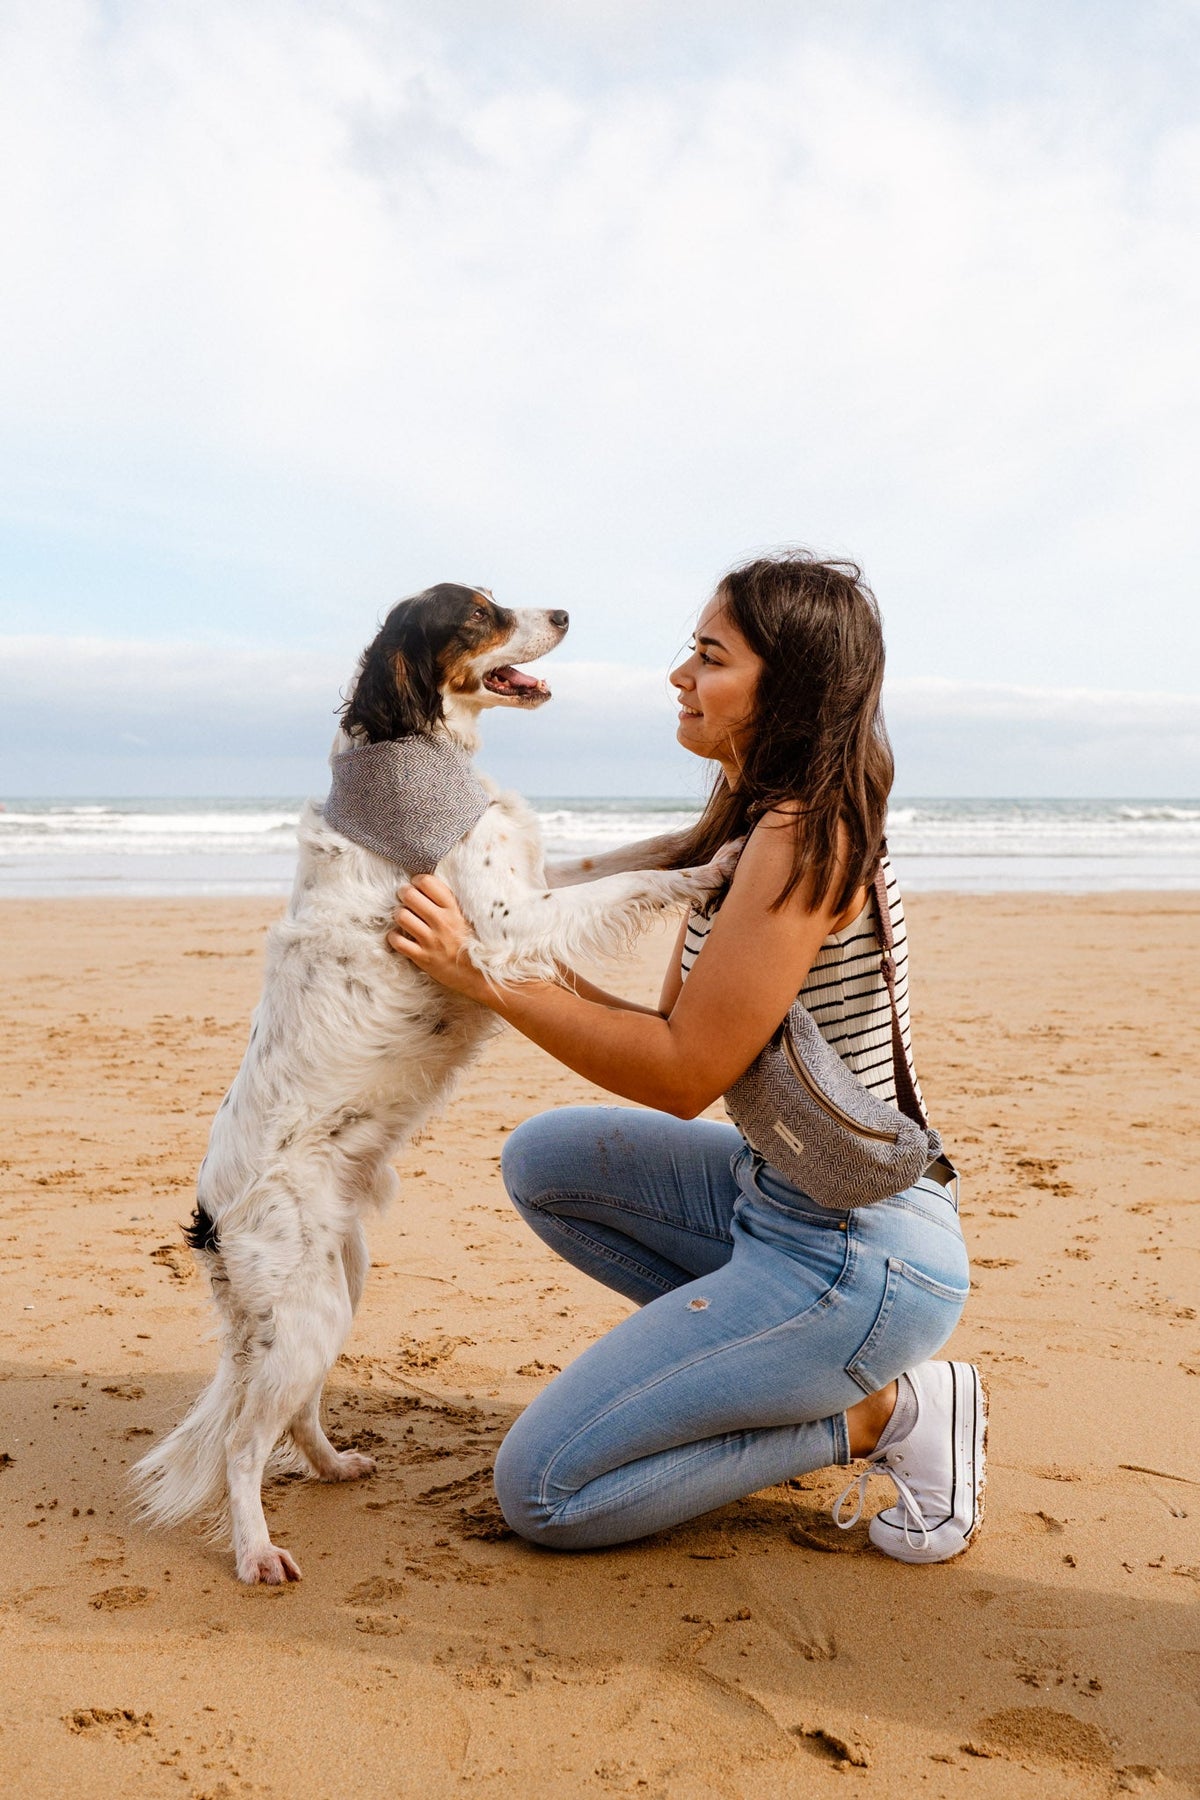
column 789, row 1137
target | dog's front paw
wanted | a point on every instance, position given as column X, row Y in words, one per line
column 269, row 1565
column 699, row 883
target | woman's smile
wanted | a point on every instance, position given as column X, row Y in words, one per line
column 716, row 688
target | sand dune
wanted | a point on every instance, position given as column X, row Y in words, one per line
column 754, row 1653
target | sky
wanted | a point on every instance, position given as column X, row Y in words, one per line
column 309, row 305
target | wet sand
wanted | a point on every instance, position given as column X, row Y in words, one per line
column 756, row 1652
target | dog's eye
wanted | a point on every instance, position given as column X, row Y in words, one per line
column 479, row 613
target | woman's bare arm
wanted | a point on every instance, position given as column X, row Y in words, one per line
column 672, row 981
column 673, row 973
column 587, row 990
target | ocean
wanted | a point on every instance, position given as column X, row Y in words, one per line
column 207, row 846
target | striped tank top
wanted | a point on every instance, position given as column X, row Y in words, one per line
column 846, row 994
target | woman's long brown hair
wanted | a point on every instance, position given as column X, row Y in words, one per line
column 820, row 749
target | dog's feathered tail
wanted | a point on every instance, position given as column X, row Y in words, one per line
column 183, row 1477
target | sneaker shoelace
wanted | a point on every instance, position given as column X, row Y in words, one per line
column 878, row 1464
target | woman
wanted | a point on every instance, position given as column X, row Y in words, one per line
column 774, row 1336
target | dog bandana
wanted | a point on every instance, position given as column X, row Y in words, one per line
column 410, row 799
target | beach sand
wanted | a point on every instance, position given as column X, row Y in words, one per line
column 756, row 1652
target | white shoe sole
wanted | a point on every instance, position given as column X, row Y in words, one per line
column 969, row 1423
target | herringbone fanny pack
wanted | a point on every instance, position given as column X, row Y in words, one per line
column 802, row 1110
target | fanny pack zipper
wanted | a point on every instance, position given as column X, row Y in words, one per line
column 831, row 1107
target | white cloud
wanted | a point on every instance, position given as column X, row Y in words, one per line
column 316, row 303
column 89, row 716
column 918, row 699
column 997, row 739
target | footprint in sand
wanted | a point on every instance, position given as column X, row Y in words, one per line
column 1043, row 1734
column 176, row 1260
column 119, row 1599
column 378, row 1596
column 484, row 1521
column 375, row 1591
column 849, row 1752
column 120, row 1722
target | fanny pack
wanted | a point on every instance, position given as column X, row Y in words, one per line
column 806, row 1114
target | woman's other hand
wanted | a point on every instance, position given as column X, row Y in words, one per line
column 431, row 932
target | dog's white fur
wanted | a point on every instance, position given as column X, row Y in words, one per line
column 351, row 1049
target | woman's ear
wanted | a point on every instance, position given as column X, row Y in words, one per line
column 396, row 693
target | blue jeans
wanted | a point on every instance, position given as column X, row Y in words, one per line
column 763, row 1317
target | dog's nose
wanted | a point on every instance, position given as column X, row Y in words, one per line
column 560, row 620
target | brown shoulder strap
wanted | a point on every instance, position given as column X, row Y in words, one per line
column 906, row 1093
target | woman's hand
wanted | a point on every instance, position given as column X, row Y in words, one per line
column 432, row 933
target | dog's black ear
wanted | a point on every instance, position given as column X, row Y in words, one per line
column 396, row 693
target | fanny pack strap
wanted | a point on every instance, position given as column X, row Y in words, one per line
column 906, row 1093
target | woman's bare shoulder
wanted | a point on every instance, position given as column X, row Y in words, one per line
column 767, row 862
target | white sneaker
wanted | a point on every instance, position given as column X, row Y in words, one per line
column 938, row 1469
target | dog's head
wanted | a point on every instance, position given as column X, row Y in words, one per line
column 449, row 648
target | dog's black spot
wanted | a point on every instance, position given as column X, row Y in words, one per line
column 201, row 1234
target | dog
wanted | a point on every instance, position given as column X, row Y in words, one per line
column 351, row 1048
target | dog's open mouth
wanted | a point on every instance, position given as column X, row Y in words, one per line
column 515, row 684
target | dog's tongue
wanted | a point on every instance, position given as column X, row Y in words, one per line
column 516, row 678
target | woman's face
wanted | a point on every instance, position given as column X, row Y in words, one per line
column 716, row 687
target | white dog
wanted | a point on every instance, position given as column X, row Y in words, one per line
column 351, row 1048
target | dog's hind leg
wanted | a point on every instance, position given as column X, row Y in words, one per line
column 307, row 1433
column 326, row 1462
column 287, row 1345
